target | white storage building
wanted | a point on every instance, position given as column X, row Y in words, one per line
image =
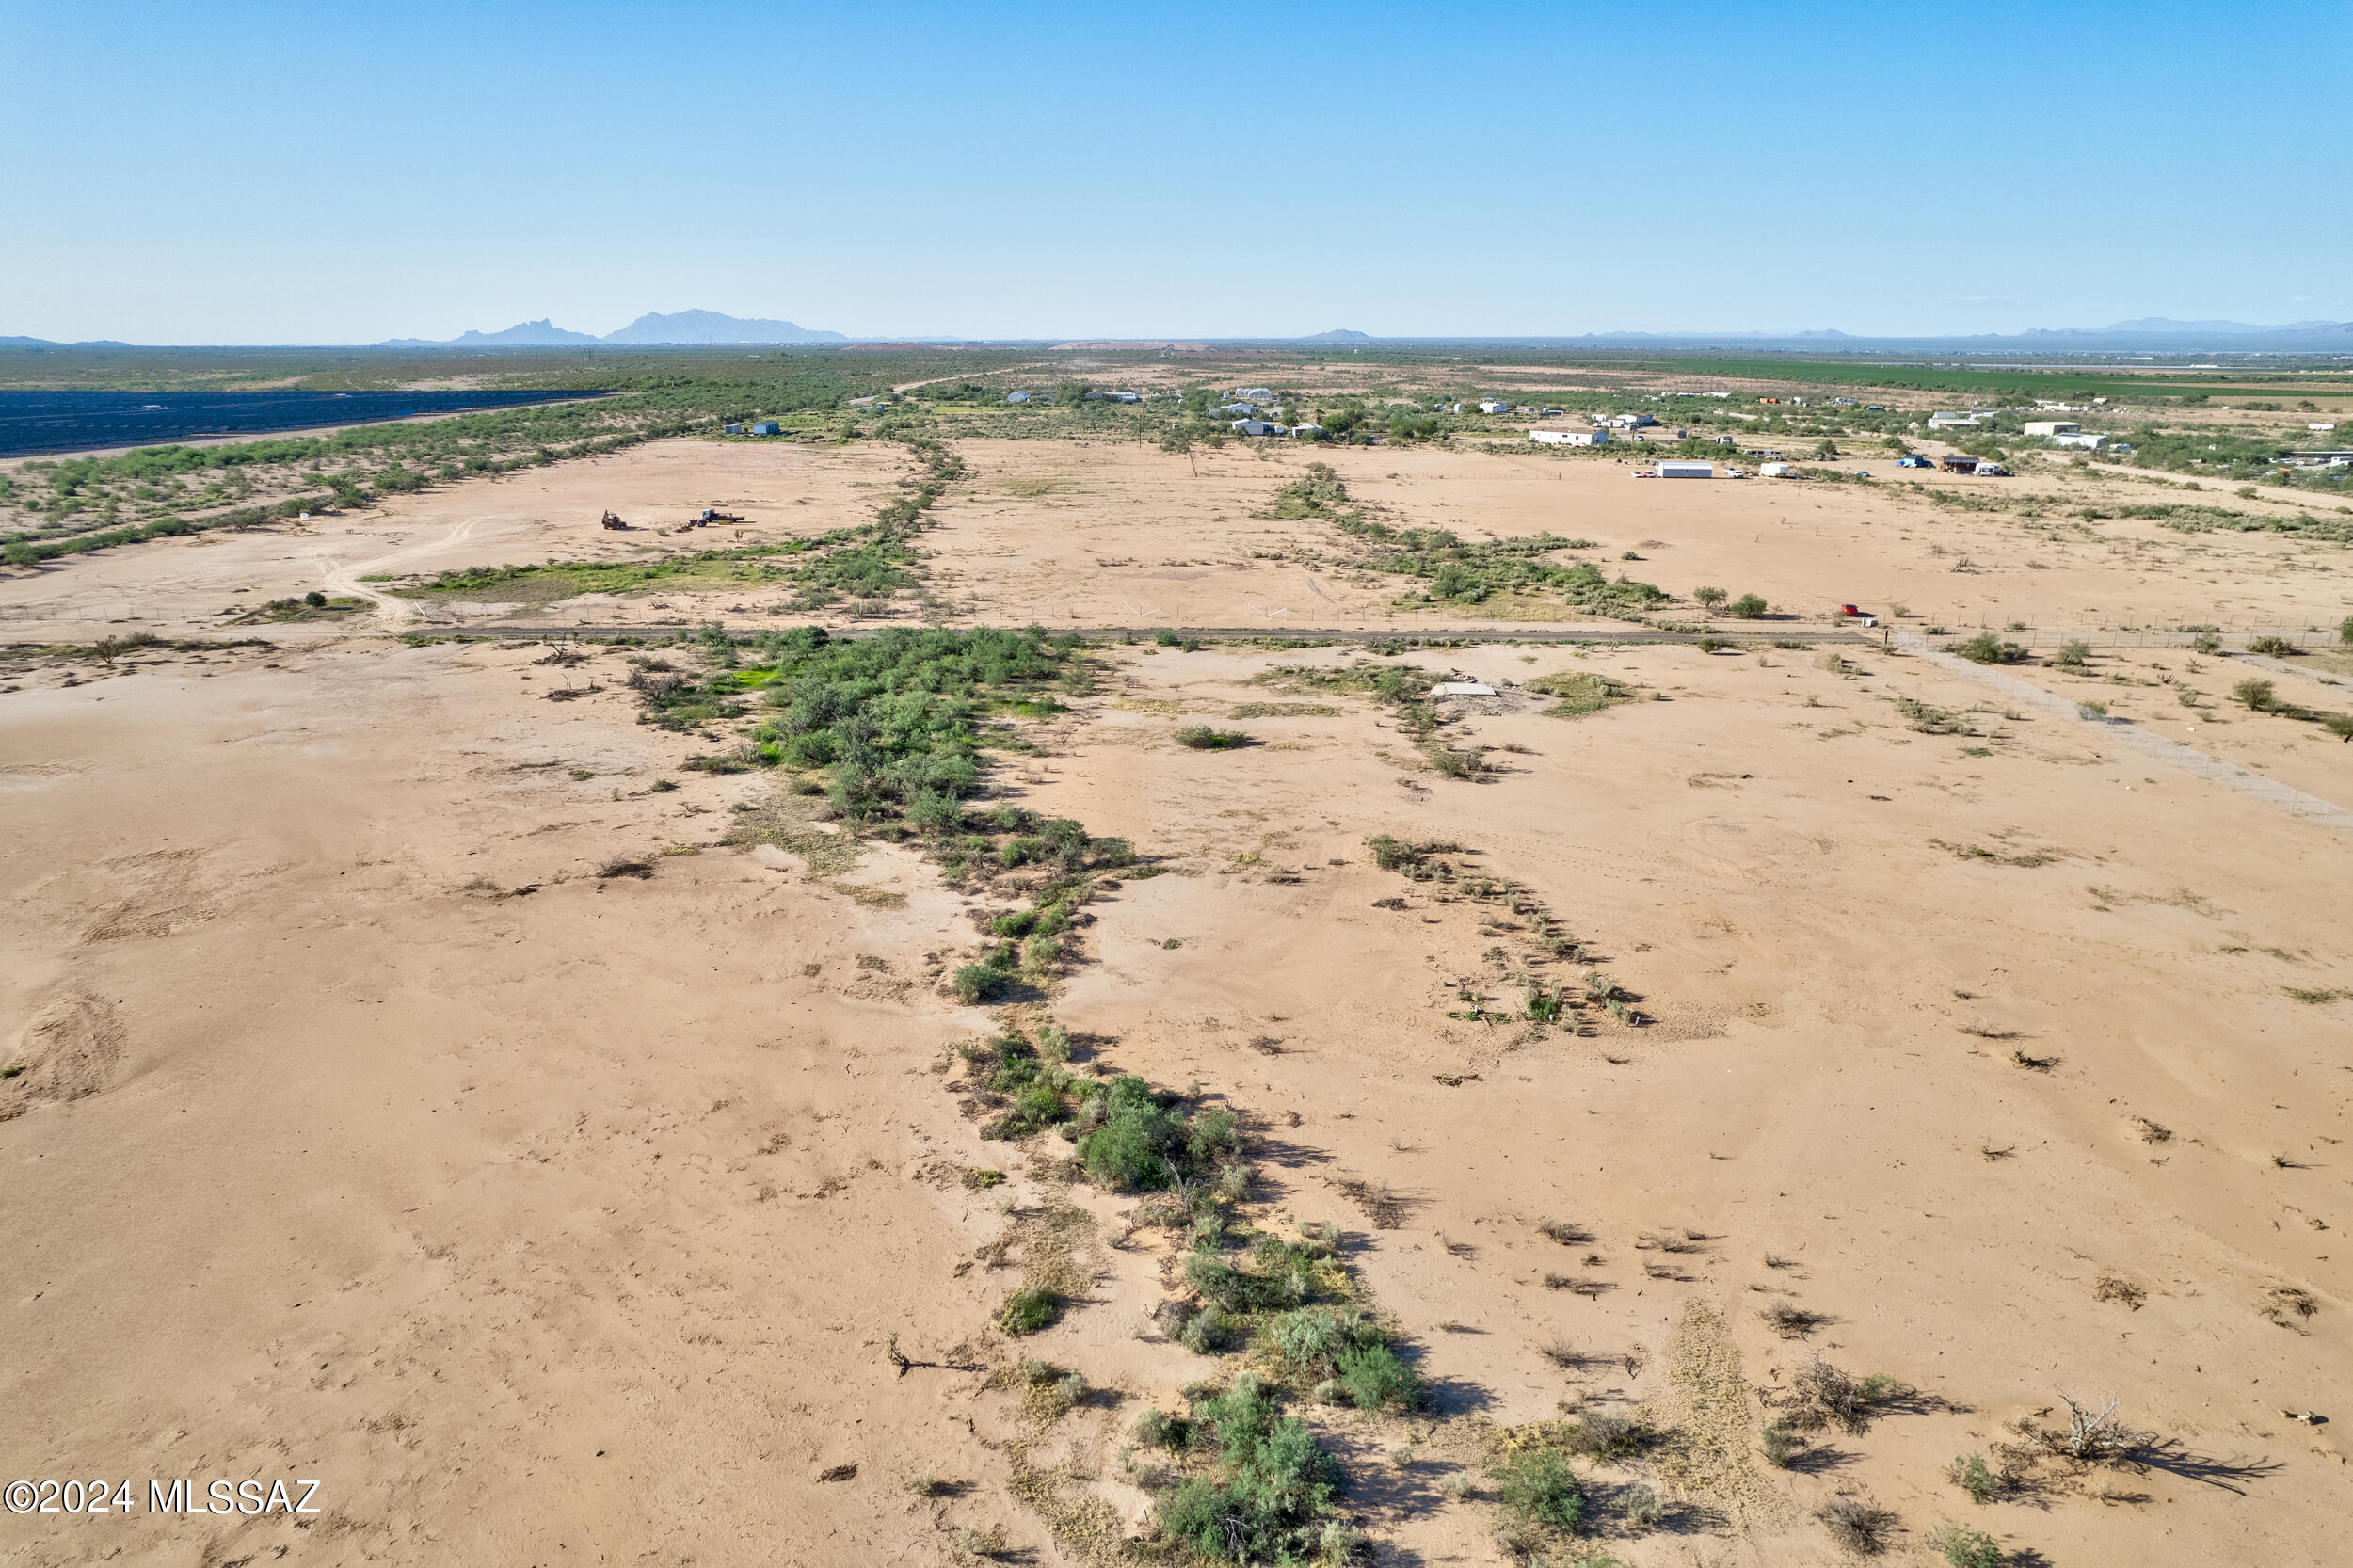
column 1685, row 469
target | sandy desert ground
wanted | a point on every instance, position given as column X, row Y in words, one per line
column 550, row 1217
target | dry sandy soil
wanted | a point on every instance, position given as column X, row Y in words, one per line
column 364, row 1132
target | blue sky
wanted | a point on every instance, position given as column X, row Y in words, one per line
column 331, row 172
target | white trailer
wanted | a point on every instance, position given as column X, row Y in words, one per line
column 1570, row 437
column 1671, row 469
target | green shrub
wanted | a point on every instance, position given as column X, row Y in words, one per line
column 1271, row 1501
column 1157, row 1429
column 1029, row 1309
column 1537, row 1487
column 1986, row 648
column 1748, row 607
column 1971, row 1474
column 976, row 982
column 2344, row 632
column 1313, row 1339
column 1707, row 598
column 1128, row 1153
column 1200, row 737
column 1964, row 1547
column 2339, row 724
column 2270, row 646
column 2072, row 655
column 2256, row 695
column 2207, row 643
column 1375, row 1379
column 1781, row 1445
column 1207, row 1330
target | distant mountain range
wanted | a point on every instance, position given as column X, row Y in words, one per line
column 539, row 332
column 2153, row 326
column 2145, row 334
column 682, row 327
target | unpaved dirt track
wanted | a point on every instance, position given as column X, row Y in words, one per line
column 344, row 581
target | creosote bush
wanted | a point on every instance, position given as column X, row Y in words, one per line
column 1200, row 737
column 1537, row 1487
column 1986, row 648
column 1268, row 1498
column 1972, row 1474
column 1963, row 1547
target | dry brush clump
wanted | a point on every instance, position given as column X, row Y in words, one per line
column 1820, row 1395
column 1858, row 1524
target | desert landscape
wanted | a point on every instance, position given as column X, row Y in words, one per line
column 1398, row 1021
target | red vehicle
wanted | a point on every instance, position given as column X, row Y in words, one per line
column 1849, row 610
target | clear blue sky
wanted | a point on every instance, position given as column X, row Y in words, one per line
column 325, row 171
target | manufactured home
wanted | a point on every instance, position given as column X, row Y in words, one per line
column 2053, row 428
column 1570, row 437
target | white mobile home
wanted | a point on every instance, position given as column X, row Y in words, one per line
column 1570, row 437
column 2053, row 428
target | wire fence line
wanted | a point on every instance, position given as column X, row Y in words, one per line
column 2189, row 759
column 2234, row 638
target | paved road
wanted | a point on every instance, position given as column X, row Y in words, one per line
column 1307, row 633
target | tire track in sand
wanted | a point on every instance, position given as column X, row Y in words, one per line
column 344, row 581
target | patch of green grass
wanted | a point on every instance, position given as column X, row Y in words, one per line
column 1030, row 1309
column 1579, row 693
column 1930, row 721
